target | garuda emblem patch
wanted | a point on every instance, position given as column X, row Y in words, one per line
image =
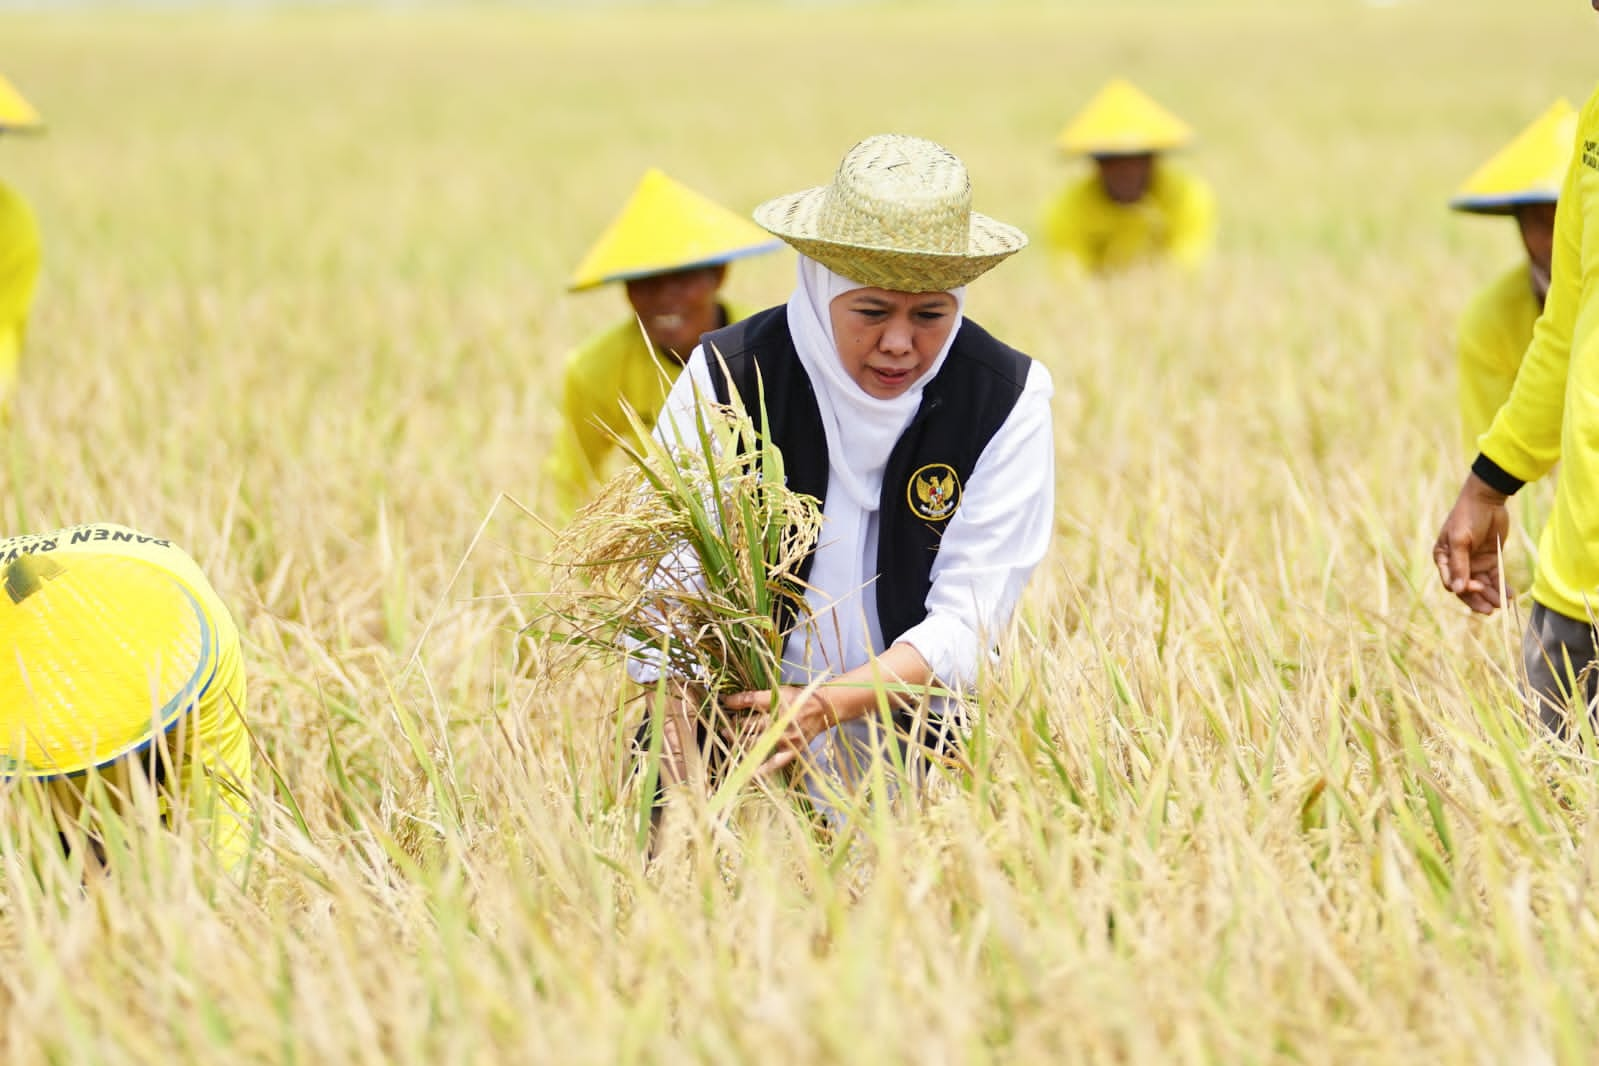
column 934, row 492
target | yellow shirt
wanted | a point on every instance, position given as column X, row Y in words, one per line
column 1553, row 410
column 214, row 775
column 1494, row 333
column 612, row 371
column 1175, row 220
column 19, row 274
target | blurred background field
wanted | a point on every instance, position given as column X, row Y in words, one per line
column 1251, row 790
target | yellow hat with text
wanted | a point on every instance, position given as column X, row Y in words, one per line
column 15, row 111
column 1122, row 119
column 99, row 655
column 666, row 226
column 1528, row 170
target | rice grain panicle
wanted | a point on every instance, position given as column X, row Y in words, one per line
column 688, row 557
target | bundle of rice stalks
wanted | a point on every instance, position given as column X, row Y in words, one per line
column 688, row 558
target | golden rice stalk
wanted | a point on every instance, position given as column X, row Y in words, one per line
column 687, row 557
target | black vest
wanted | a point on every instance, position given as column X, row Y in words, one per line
column 961, row 410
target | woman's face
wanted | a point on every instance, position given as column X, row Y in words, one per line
column 887, row 340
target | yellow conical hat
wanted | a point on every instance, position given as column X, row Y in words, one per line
column 99, row 654
column 15, row 112
column 1122, row 120
column 666, row 226
column 1528, row 170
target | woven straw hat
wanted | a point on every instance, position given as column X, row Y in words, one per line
column 15, row 111
column 1122, row 119
column 898, row 216
column 99, row 654
column 664, row 227
column 1528, row 170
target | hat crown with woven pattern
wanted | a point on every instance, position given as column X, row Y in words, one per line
column 898, row 215
column 900, row 192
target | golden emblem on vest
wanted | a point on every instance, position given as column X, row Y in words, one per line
column 934, row 492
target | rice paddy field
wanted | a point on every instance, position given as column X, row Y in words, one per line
column 1248, row 787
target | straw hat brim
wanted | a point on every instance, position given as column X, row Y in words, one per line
column 796, row 220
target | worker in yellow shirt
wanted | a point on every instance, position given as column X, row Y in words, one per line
column 1136, row 205
column 1521, row 180
column 1552, row 415
column 119, row 658
column 670, row 247
column 19, row 251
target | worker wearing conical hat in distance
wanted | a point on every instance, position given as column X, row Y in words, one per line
column 1522, row 180
column 669, row 247
column 121, row 670
column 19, row 251
column 1136, row 205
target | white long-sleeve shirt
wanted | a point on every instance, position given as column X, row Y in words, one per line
column 992, row 544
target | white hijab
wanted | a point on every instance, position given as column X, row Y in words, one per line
column 861, row 428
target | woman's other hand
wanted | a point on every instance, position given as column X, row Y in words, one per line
column 805, row 713
column 802, row 713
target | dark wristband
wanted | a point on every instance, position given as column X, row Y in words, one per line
column 1495, row 477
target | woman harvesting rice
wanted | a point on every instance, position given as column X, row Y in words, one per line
column 928, row 441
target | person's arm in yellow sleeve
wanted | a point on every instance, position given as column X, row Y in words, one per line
column 1524, row 439
column 1485, row 374
column 612, row 371
column 10, row 356
column 588, row 407
column 218, row 772
column 1065, row 233
column 19, row 276
column 1193, row 223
